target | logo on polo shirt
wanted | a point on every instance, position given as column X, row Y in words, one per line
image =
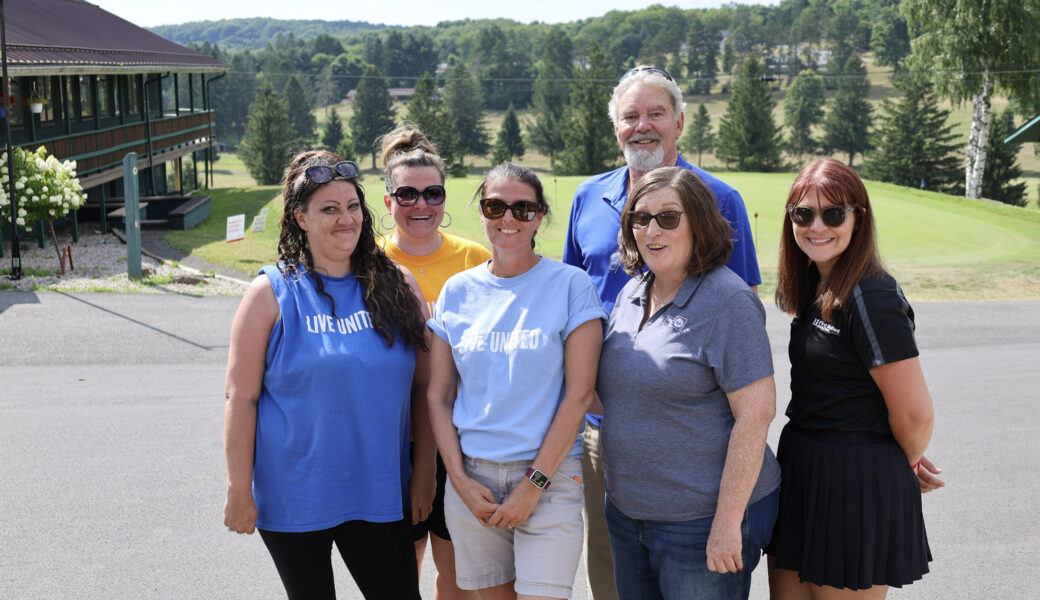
column 825, row 327
column 677, row 323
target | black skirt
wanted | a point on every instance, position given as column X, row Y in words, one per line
column 850, row 511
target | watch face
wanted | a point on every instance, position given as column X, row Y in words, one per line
column 539, row 479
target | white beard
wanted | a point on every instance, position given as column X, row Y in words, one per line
column 644, row 160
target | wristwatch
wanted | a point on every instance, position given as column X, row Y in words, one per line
column 539, row 479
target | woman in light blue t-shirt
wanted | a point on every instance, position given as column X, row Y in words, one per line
column 519, row 338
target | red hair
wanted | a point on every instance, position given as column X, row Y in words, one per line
column 840, row 185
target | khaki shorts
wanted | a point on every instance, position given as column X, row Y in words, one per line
column 542, row 554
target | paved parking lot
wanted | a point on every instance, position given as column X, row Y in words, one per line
column 112, row 475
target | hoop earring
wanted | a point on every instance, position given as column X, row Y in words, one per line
column 383, row 224
column 448, row 224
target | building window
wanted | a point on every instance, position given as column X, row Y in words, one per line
column 86, row 101
column 106, row 96
column 133, row 95
column 14, row 107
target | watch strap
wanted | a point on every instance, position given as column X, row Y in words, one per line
column 537, row 478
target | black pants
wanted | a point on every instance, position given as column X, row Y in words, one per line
column 380, row 557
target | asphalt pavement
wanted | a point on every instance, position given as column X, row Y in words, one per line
column 112, row 472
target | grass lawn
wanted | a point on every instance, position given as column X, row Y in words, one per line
column 938, row 247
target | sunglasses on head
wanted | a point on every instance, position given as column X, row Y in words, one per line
column 647, row 69
column 833, row 216
column 346, row 169
column 668, row 219
column 406, row 195
column 524, row 210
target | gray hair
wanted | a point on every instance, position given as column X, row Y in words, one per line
column 640, row 75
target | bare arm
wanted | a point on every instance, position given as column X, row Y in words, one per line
column 423, row 483
column 580, row 363
column 753, row 406
column 909, row 405
column 444, row 378
column 250, row 333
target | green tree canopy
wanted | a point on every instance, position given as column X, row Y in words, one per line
column 847, row 126
column 589, row 143
column 267, row 140
column 373, row 113
column 748, row 138
column 510, row 143
column 301, row 120
column 426, row 109
column 1002, row 169
column 803, row 110
column 915, row 142
column 332, row 134
column 551, row 94
column 465, row 111
column 699, row 138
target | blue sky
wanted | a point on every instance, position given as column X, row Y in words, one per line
column 148, row 13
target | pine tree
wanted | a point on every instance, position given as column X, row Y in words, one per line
column 915, row 143
column 301, row 120
column 465, row 111
column 426, row 109
column 509, row 144
column 589, row 143
column 847, row 126
column 699, row 137
column 332, row 135
column 748, row 138
column 703, row 58
column 373, row 112
column 552, row 91
column 803, row 109
column 266, row 143
column 1002, row 164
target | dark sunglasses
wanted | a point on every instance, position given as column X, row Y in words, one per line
column 803, row 216
column 668, row 219
column 346, row 169
column 406, row 195
column 524, row 210
column 647, row 69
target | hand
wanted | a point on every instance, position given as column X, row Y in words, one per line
column 517, row 507
column 477, row 498
column 422, row 487
column 240, row 512
column 926, row 476
column 724, row 548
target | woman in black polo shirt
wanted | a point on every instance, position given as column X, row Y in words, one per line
column 860, row 412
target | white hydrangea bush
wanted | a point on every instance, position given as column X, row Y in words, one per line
column 46, row 188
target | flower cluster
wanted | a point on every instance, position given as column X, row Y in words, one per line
column 46, row 188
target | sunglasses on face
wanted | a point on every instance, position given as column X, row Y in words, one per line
column 346, row 169
column 668, row 219
column 803, row 216
column 524, row 210
column 406, row 195
column 657, row 70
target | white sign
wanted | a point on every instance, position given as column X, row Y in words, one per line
column 260, row 221
column 236, row 228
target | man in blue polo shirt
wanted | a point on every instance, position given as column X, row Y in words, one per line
column 647, row 110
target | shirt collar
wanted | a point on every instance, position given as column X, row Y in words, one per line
column 641, row 294
column 617, row 194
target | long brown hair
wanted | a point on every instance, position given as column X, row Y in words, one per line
column 840, row 185
column 712, row 243
column 391, row 304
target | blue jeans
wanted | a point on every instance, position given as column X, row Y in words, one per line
column 668, row 560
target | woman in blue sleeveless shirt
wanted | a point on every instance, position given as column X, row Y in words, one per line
column 327, row 357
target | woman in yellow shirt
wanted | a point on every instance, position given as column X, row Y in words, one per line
column 415, row 199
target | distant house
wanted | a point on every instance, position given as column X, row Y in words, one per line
column 398, row 94
column 108, row 88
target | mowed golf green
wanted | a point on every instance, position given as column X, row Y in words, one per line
column 938, row 247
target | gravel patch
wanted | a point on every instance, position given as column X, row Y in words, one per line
column 100, row 266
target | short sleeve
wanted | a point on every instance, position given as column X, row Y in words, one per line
column 881, row 326
column 583, row 303
column 738, row 350
column 436, row 321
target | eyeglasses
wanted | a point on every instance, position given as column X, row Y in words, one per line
column 347, row 169
column 406, row 195
column 834, row 216
column 647, row 69
column 668, row 219
column 524, row 210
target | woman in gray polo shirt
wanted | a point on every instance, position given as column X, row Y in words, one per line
column 686, row 381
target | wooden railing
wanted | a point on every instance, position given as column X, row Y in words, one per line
column 98, row 150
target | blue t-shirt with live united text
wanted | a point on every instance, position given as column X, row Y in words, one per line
column 332, row 418
column 507, row 337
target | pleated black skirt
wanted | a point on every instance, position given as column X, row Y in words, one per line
column 850, row 511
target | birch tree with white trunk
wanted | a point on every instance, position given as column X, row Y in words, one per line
column 971, row 49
